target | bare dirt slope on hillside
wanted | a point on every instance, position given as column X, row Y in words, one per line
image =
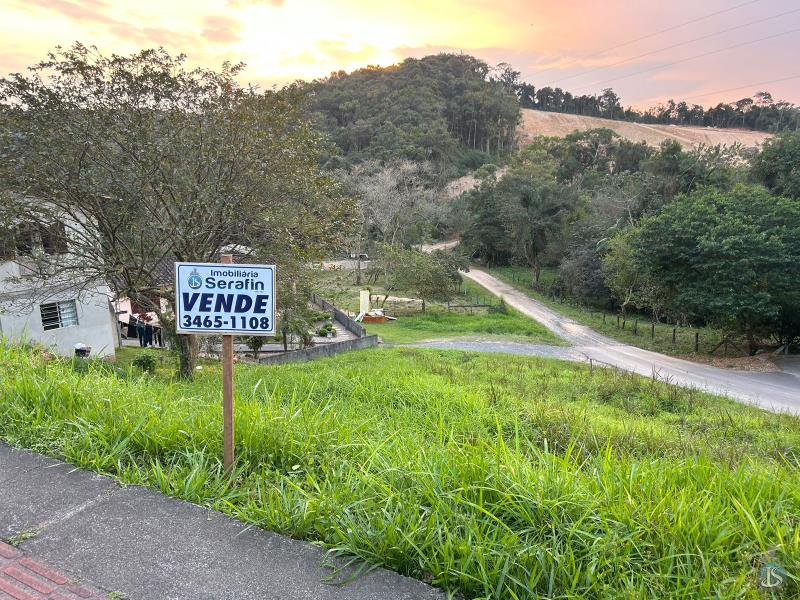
column 537, row 122
column 464, row 184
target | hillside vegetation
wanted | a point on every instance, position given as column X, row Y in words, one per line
column 488, row 475
column 444, row 108
column 704, row 236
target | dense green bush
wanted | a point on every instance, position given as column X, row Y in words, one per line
column 146, row 362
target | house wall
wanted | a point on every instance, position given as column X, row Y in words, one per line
column 96, row 326
column 22, row 293
column 20, row 318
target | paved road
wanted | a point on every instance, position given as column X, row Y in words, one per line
column 779, row 392
column 146, row 546
column 504, row 347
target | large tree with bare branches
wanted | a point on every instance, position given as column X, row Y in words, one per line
column 146, row 162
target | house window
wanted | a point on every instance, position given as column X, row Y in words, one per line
column 28, row 239
column 8, row 249
column 54, row 238
column 25, row 238
column 56, row 315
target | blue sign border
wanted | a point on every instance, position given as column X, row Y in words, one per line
column 215, row 330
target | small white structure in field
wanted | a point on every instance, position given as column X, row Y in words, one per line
column 47, row 312
column 364, row 301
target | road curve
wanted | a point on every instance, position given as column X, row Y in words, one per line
column 778, row 392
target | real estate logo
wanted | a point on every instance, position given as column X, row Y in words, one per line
column 195, row 281
column 771, row 576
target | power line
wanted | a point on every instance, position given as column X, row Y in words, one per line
column 741, row 87
column 704, row 37
column 653, row 34
column 683, row 60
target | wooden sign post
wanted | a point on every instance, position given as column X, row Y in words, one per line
column 223, row 298
column 227, row 390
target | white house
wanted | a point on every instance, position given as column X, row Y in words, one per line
column 57, row 315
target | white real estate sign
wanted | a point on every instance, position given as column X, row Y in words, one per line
column 225, row 299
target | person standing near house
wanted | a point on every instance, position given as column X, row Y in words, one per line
column 140, row 332
column 148, row 334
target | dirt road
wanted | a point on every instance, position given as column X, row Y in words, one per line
column 779, row 392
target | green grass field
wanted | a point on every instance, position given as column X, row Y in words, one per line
column 660, row 342
column 490, row 476
column 437, row 322
column 441, row 324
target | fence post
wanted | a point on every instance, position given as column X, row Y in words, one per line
column 604, row 318
column 623, row 323
column 617, row 321
column 696, row 342
column 636, row 326
column 674, row 330
column 652, row 331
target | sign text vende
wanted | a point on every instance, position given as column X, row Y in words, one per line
column 225, row 299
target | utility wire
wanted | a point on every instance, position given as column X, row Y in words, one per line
column 649, row 35
column 741, row 87
column 683, row 60
column 697, row 39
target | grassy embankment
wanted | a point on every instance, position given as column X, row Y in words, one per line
column 437, row 322
column 661, row 342
column 491, row 476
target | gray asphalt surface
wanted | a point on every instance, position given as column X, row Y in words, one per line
column 147, row 546
column 504, row 347
column 778, row 392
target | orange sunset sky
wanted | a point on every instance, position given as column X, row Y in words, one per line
column 579, row 45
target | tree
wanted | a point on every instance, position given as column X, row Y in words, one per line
column 485, row 235
column 430, row 276
column 147, row 163
column 728, row 258
column 535, row 212
column 444, row 109
column 591, row 150
column 777, row 166
column 631, row 283
column 678, row 171
column 609, row 103
column 255, row 343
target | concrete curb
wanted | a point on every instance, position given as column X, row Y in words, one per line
column 147, row 546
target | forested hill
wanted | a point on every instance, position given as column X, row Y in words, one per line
column 457, row 113
column 446, row 109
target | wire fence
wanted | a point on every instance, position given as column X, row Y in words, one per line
column 682, row 338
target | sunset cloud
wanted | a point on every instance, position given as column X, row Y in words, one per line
column 574, row 45
column 221, row 29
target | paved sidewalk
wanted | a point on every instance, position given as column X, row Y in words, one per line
column 25, row 578
column 131, row 542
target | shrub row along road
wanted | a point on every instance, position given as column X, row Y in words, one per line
column 772, row 391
